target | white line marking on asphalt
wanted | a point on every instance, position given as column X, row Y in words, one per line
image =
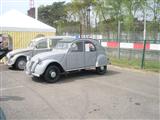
column 3, row 89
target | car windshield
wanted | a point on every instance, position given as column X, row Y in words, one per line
column 31, row 44
column 62, row 45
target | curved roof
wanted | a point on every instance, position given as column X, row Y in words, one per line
column 17, row 21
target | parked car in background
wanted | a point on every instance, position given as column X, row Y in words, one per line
column 68, row 55
column 18, row 58
column 5, row 44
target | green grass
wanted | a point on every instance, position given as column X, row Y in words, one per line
column 136, row 64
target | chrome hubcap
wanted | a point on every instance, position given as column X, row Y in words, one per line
column 21, row 64
column 53, row 74
column 102, row 67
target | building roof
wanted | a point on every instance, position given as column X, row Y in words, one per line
column 17, row 21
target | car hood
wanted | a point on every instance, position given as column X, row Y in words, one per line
column 54, row 54
column 17, row 51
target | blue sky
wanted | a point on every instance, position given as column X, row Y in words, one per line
column 23, row 5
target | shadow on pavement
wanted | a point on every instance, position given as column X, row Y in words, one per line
column 112, row 72
column 8, row 98
column 84, row 74
column 4, row 68
column 12, row 68
column 38, row 79
column 2, row 115
column 77, row 75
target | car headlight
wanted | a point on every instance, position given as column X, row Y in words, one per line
column 9, row 55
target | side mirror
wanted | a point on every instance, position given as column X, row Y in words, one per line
column 35, row 47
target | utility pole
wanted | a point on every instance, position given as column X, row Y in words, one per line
column 88, row 20
column 31, row 3
column 96, row 26
column 144, row 38
column 36, row 11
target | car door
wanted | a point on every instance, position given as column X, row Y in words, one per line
column 42, row 46
column 75, row 56
column 90, row 54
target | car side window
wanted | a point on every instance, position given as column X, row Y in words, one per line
column 89, row 47
column 77, row 47
column 53, row 42
column 42, row 44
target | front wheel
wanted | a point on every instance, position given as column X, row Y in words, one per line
column 52, row 74
column 101, row 70
column 20, row 63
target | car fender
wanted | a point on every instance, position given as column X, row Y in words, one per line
column 101, row 60
column 15, row 57
column 41, row 67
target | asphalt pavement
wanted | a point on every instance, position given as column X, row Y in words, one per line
column 119, row 94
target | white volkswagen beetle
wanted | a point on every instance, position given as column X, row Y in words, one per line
column 18, row 58
column 68, row 55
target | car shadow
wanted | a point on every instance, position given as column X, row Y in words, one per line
column 12, row 68
column 38, row 79
column 112, row 72
column 8, row 68
column 84, row 74
column 2, row 115
column 77, row 75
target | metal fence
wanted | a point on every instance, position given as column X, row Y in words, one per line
column 136, row 49
column 131, row 37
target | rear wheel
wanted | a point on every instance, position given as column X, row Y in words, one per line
column 101, row 70
column 52, row 74
column 20, row 63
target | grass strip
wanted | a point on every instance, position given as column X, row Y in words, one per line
column 149, row 65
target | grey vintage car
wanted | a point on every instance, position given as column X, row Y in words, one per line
column 18, row 58
column 68, row 55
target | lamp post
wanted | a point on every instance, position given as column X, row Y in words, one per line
column 144, row 38
column 36, row 10
column 88, row 19
column 118, row 37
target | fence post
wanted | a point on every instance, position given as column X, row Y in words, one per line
column 143, row 54
column 118, row 38
column 144, row 38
